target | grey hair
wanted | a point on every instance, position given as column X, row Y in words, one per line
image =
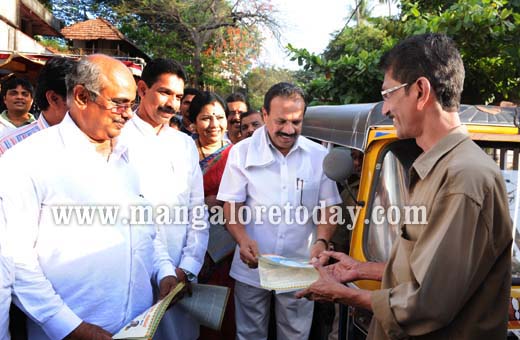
column 84, row 73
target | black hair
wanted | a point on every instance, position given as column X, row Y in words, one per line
column 287, row 90
column 203, row 99
column 434, row 56
column 52, row 77
column 13, row 83
column 249, row 113
column 190, row 91
column 159, row 66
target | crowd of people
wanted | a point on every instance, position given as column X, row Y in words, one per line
column 95, row 147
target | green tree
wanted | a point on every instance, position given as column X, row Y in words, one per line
column 194, row 32
column 486, row 31
column 260, row 79
column 197, row 24
column 347, row 72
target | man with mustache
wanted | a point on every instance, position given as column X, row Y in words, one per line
column 236, row 105
column 276, row 167
column 168, row 166
column 250, row 121
column 81, row 278
column 17, row 94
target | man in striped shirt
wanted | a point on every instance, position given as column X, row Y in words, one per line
column 50, row 98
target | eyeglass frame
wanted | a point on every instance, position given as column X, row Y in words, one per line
column 386, row 93
column 118, row 108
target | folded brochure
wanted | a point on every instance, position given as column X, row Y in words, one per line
column 207, row 304
column 282, row 273
column 144, row 326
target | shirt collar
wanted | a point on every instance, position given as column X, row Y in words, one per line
column 261, row 150
column 43, row 122
column 28, row 121
column 78, row 141
column 144, row 127
column 427, row 160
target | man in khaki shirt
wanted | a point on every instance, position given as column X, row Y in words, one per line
column 449, row 278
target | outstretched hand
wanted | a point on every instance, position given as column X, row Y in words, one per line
column 345, row 269
column 326, row 288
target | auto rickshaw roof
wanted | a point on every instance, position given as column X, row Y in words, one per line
column 348, row 125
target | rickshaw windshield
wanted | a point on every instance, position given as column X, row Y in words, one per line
column 389, row 189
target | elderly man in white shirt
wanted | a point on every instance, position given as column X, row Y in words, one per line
column 77, row 276
column 276, row 167
column 167, row 163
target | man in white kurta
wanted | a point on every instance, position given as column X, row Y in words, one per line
column 167, row 163
column 80, row 277
column 276, row 167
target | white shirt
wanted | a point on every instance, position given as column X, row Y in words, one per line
column 170, row 175
column 66, row 273
column 6, row 282
column 259, row 175
column 6, row 126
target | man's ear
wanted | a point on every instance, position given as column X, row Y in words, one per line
column 52, row 97
column 80, row 96
column 264, row 113
column 141, row 88
column 424, row 92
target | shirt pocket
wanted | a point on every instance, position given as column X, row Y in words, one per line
column 307, row 193
column 401, row 267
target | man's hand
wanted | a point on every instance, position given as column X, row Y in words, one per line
column 249, row 252
column 87, row 331
column 317, row 250
column 181, row 277
column 166, row 285
column 345, row 270
column 326, row 288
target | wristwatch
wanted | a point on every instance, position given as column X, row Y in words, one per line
column 189, row 275
column 324, row 241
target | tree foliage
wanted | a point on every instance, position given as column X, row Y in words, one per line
column 260, row 79
column 486, row 31
column 198, row 25
column 216, row 40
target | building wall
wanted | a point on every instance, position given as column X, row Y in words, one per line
column 12, row 39
column 9, row 12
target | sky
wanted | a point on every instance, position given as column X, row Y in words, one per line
column 308, row 24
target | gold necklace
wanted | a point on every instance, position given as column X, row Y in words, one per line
column 199, row 146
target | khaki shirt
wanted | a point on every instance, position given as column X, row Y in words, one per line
column 450, row 278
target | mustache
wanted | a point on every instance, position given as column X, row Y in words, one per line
column 283, row 134
column 166, row 109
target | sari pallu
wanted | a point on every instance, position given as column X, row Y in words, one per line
column 212, row 169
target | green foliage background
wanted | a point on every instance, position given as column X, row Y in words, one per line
column 486, row 31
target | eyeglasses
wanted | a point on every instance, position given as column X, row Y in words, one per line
column 386, row 93
column 118, row 108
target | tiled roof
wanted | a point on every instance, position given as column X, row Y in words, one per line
column 92, row 30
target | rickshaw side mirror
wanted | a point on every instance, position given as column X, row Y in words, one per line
column 338, row 166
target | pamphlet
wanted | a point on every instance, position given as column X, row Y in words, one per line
column 220, row 243
column 144, row 326
column 207, row 304
column 282, row 273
